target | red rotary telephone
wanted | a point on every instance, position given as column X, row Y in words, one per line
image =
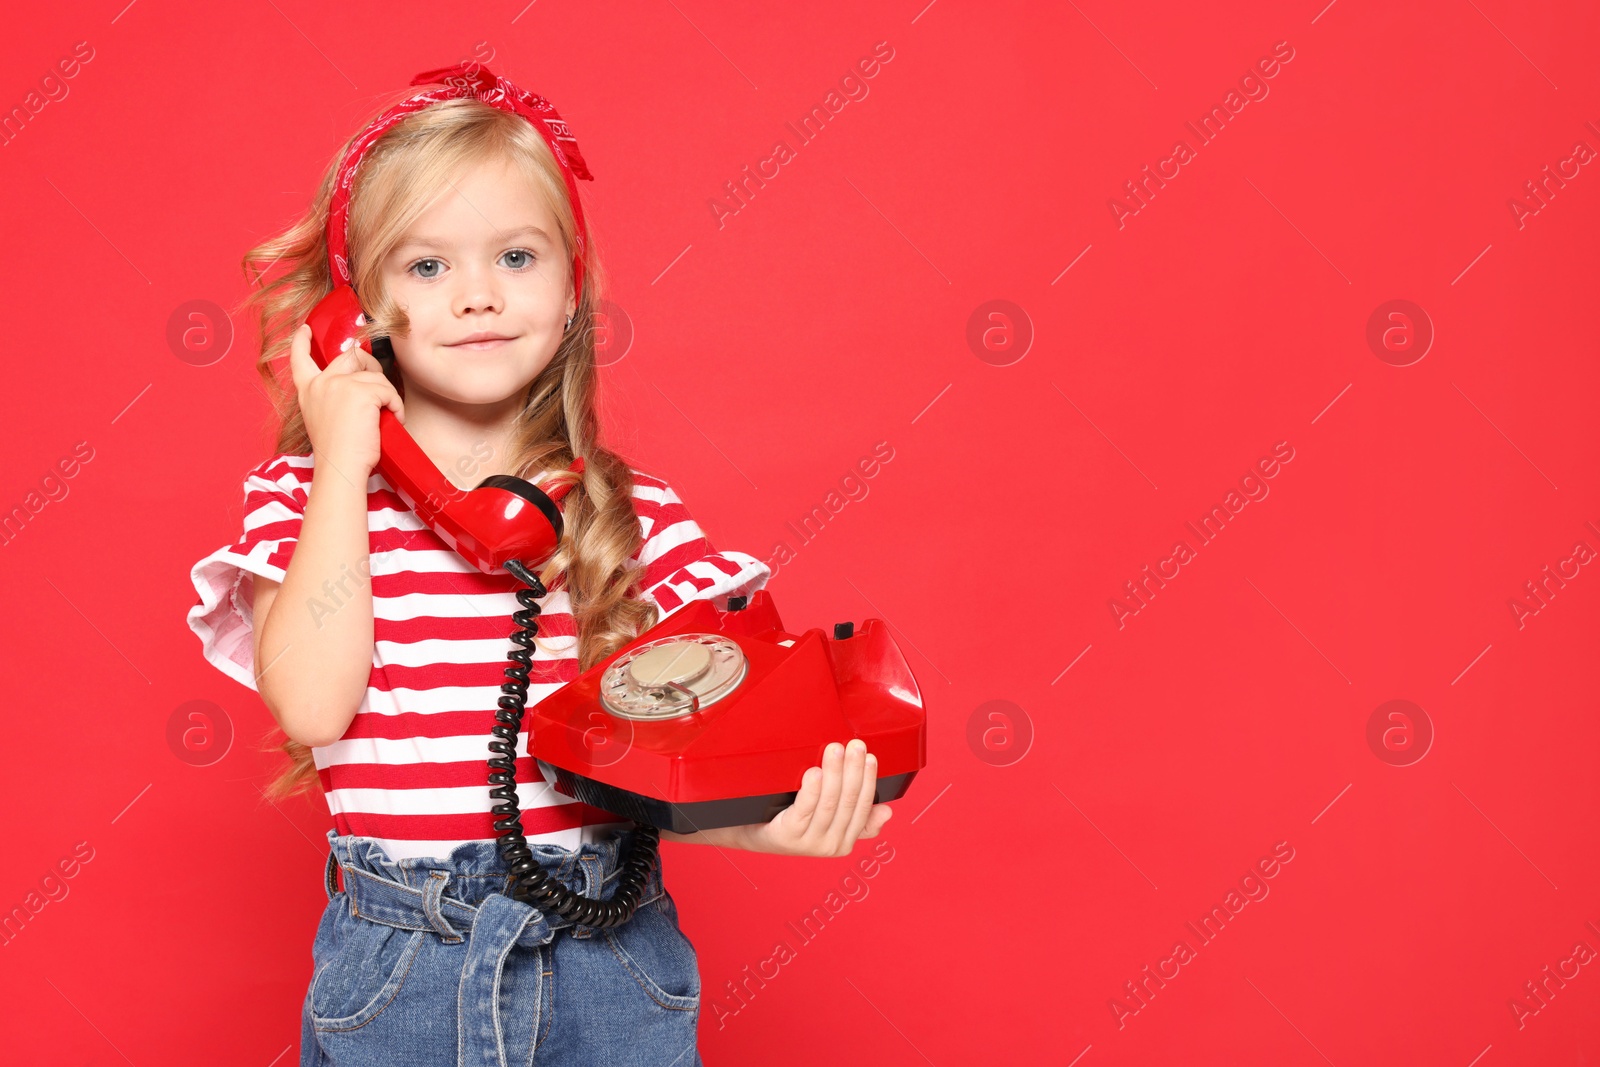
column 711, row 717
column 708, row 719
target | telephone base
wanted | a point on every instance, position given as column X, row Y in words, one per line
column 700, row 814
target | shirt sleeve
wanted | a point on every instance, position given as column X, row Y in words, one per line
column 274, row 506
column 680, row 563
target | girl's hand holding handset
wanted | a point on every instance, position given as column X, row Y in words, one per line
column 833, row 810
column 341, row 403
column 314, row 667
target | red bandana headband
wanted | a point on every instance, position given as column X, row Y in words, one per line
column 461, row 80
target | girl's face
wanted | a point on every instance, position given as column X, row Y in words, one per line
column 486, row 258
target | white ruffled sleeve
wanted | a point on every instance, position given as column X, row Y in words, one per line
column 274, row 506
column 680, row 563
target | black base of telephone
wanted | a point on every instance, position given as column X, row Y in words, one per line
column 699, row 815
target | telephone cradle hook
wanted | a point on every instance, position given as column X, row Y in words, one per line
column 532, row 884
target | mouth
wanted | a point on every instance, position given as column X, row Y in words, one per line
column 482, row 342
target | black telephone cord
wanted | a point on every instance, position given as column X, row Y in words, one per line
column 532, row 884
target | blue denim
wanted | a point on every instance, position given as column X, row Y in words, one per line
column 428, row 962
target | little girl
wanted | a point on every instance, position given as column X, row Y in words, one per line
column 381, row 652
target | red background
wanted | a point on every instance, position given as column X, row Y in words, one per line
column 830, row 313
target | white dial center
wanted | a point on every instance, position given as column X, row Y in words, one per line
column 679, row 661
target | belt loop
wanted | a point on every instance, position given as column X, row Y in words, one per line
column 431, row 893
column 593, row 875
column 588, row 877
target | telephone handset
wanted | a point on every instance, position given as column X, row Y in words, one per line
column 504, row 523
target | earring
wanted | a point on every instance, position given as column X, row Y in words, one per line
column 568, row 326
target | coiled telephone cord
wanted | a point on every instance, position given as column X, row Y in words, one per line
column 532, row 884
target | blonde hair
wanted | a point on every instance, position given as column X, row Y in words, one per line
column 398, row 178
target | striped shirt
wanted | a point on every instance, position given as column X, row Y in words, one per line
column 412, row 768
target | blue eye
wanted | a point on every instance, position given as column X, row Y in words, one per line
column 527, row 257
column 419, row 263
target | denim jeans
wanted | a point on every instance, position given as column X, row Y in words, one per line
column 429, row 962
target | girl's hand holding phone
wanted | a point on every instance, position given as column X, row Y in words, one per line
column 833, row 810
column 340, row 404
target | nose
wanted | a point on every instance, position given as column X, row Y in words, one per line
column 477, row 290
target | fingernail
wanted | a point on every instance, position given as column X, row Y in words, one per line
column 856, row 744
